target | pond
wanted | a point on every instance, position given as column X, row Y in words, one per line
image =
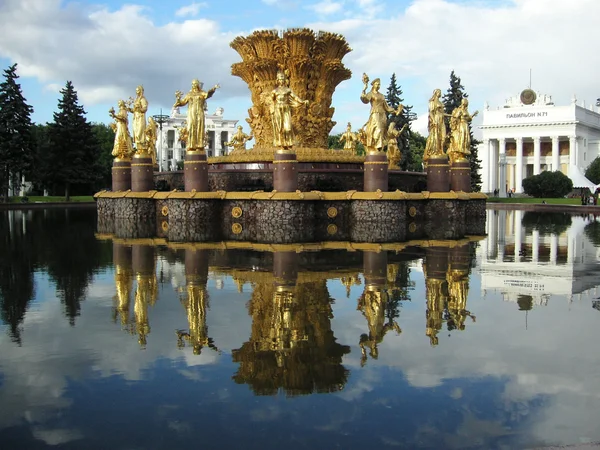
column 146, row 344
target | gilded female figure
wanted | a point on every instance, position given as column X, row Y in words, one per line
column 238, row 140
column 283, row 100
column 460, row 138
column 436, row 127
column 393, row 152
column 196, row 103
column 138, row 109
column 349, row 138
column 376, row 126
column 151, row 136
column 122, row 149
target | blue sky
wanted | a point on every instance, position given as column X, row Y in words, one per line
column 106, row 48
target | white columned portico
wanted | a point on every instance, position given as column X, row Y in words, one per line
column 536, row 155
column 486, row 159
column 535, row 246
column 494, row 165
column 572, row 150
column 502, row 167
column 555, row 154
column 519, row 166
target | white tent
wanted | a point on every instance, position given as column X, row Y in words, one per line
column 579, row 180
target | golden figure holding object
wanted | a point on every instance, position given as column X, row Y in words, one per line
column 138, row 108
column 393, row 152
column 460, row 135
column 238, row 141
column 349, row 138
column 195, row 100
column 436, row 127
column 122, row 148
column 151, row 136
column 376, row 127
column 283, row 100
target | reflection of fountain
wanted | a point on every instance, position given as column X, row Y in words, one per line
column 146, row 290
column 292, row 346
column 196, row 275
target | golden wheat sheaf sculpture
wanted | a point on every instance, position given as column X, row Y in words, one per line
column 313, row 65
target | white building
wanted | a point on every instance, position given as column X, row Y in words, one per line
column 530, row 134
column 516, row 262
column 169, row 148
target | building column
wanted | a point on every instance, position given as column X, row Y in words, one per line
column 535, row 246
column 536, row 155
column 555, row 154
column 486, row 164
column 518, row 218
column 501, row 234
column 553, row 248
column 572, row 151
column 570, row 249
column 519, row 167
column 494, row 165
column 502, row 167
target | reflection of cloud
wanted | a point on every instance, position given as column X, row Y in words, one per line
column 56, row 436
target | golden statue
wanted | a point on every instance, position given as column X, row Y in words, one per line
column 436, row 127
column 196, row 103
column 138, row 108
column 393, row 152
column 313, row 65
column 151, row 136
column 238, row 141
column 122, row 148
column 283, row 100
column 183, row 133
column 349, row 138
column 376, row 126
column 460, row 135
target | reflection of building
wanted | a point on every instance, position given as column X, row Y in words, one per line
column 537, row 255
column 530, row 135
column 170, row 150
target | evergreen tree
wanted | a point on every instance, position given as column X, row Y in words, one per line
column 394, row 98
column 16, row 145
column 416, row 146
column 451, row 100
column 73, row 155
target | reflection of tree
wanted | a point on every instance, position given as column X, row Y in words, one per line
column 546, row 222
column 398, row 279
column 292, row 346
column 17, row 263
column 592, row 232
column 525, row 302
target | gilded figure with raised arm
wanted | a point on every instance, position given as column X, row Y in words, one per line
column 283, row 100
column 138, row 108
column 436, row 127
column 151, row 136
column 195, row 100
column 122, row 148
column 349, row 138
column 238, row 140
column 460, row 134
column 393, row 152
column 376, row 126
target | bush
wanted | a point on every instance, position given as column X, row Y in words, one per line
column 548, row 185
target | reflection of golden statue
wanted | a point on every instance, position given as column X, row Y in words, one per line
column 376, row 126
column 238, row 140
column 151, row 136
column 122, row 149
column 372, row 304
column 139, row 108
column 458, row 291
column 436, row 303
column 124, row 284
column 393, row 152
column 197, row 336
column 195, row 100
column 284, row 100
column 460, row 137
column 145, row 295
column 349, row 138
column 436, row 127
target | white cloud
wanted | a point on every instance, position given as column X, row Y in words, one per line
column 326, row 7
column 190, row 10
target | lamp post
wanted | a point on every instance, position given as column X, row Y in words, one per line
column 160, row 119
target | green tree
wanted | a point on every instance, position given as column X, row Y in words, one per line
column 16, row 146
column 394, row 98
column 416, row 145
column 548, row 185
column 334, row 141
column 451, row 100
column 592, row 173
column 105, row 138
column 72, row 159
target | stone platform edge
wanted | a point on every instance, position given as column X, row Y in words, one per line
column 298, row 195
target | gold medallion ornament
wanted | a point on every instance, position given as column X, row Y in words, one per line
column 412, row 227
column 236, row 212
column 332, row 212
column 412, row 211
column 332, row 229
column 236, row 228
column 165, row 210
column 164, row 225
column 528, row 97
